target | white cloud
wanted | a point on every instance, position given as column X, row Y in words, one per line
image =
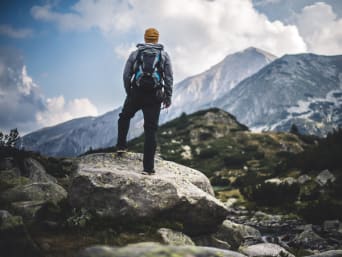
column 23, row 106
column 196, row 33
column 58, row 110
column 9, row 31
column 321, row 29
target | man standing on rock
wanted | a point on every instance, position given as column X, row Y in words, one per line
column 148, row 80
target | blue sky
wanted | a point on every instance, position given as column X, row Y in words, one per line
column 64, row 59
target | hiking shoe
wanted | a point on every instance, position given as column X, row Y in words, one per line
column 146, row 172
column 121, row 150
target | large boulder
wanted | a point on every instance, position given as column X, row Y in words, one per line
column 36, row 172
column 308, row 239
column 113, row 187
column 324, row 177
column 27, row 200
column 238, row 234
column 27, row 188
column 171, row 237
column 156, row 250
column 265, row 249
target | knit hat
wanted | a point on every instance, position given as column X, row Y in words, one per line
column 151, row 35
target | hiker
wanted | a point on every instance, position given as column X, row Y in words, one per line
column 148, row 80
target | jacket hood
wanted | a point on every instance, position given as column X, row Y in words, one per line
column 149, row 45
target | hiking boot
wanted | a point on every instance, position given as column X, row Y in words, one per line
column 121, row 150
column 147, row 172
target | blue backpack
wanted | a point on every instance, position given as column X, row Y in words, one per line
column 147, row 74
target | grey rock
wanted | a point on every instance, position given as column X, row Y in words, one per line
column 35, row 192
column 237, row 234
column 309, row 239
column 265, row 249
column 289, row 180
column 332, row 253
column 331, row 225
column 114, row 187
column 27, row 200
column 156, row 250
column 324, row 177
column 36, row 172
column 303, row 179
column 211, row 241
column 171, row 237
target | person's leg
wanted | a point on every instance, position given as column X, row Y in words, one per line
column 128, row 111
column 151, row 118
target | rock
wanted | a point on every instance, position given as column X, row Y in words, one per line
column 324, row 177
column 27, row 200
column 36, row 172
column 230, row 202
column 265, row 249
column 156, row 250
column 11, row 178
column 171, row 237
column 332, row 253
column 276, row 181
column 308, row 239
column 211, row 241
column 14, row 238
column 289, row 180
column 303, row 179
column 35, row 192
column 237, row 234
column 331, row 225
column 113, row 187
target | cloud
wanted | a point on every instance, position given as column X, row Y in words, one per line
column 196, row 33
column 58, row 110
column 9, row 31
column 320, row 28
column 22, row 104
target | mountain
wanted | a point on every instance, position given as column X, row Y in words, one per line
column 199, row 91
column 77, row 136
column 303, row 89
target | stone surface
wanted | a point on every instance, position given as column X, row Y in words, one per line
column 265, row 249
column 237, row 234
column 171, row 237
column 27, row 200
column 156, row 250
column 309, row 239
column 303, row 179
column 113, row 187
column 36, row 172
column 333, row 253
column 324, row 177
column 331, row 225
column 211, row 241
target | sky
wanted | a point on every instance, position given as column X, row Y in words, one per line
column 61, row 59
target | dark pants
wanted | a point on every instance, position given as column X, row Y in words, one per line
column 150, row 106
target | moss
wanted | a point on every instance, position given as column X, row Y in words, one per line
column 12, row 181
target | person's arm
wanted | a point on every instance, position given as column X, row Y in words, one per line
column 128, row 72
column 168, row 80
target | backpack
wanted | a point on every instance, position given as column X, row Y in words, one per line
column 147, row 69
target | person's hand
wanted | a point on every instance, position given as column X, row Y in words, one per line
column 167, row 102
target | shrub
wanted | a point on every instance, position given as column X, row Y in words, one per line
column 9, row 140
column 271, row 194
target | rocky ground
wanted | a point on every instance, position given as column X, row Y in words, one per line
column 101, row 205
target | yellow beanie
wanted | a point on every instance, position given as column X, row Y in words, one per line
column 151, row 35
